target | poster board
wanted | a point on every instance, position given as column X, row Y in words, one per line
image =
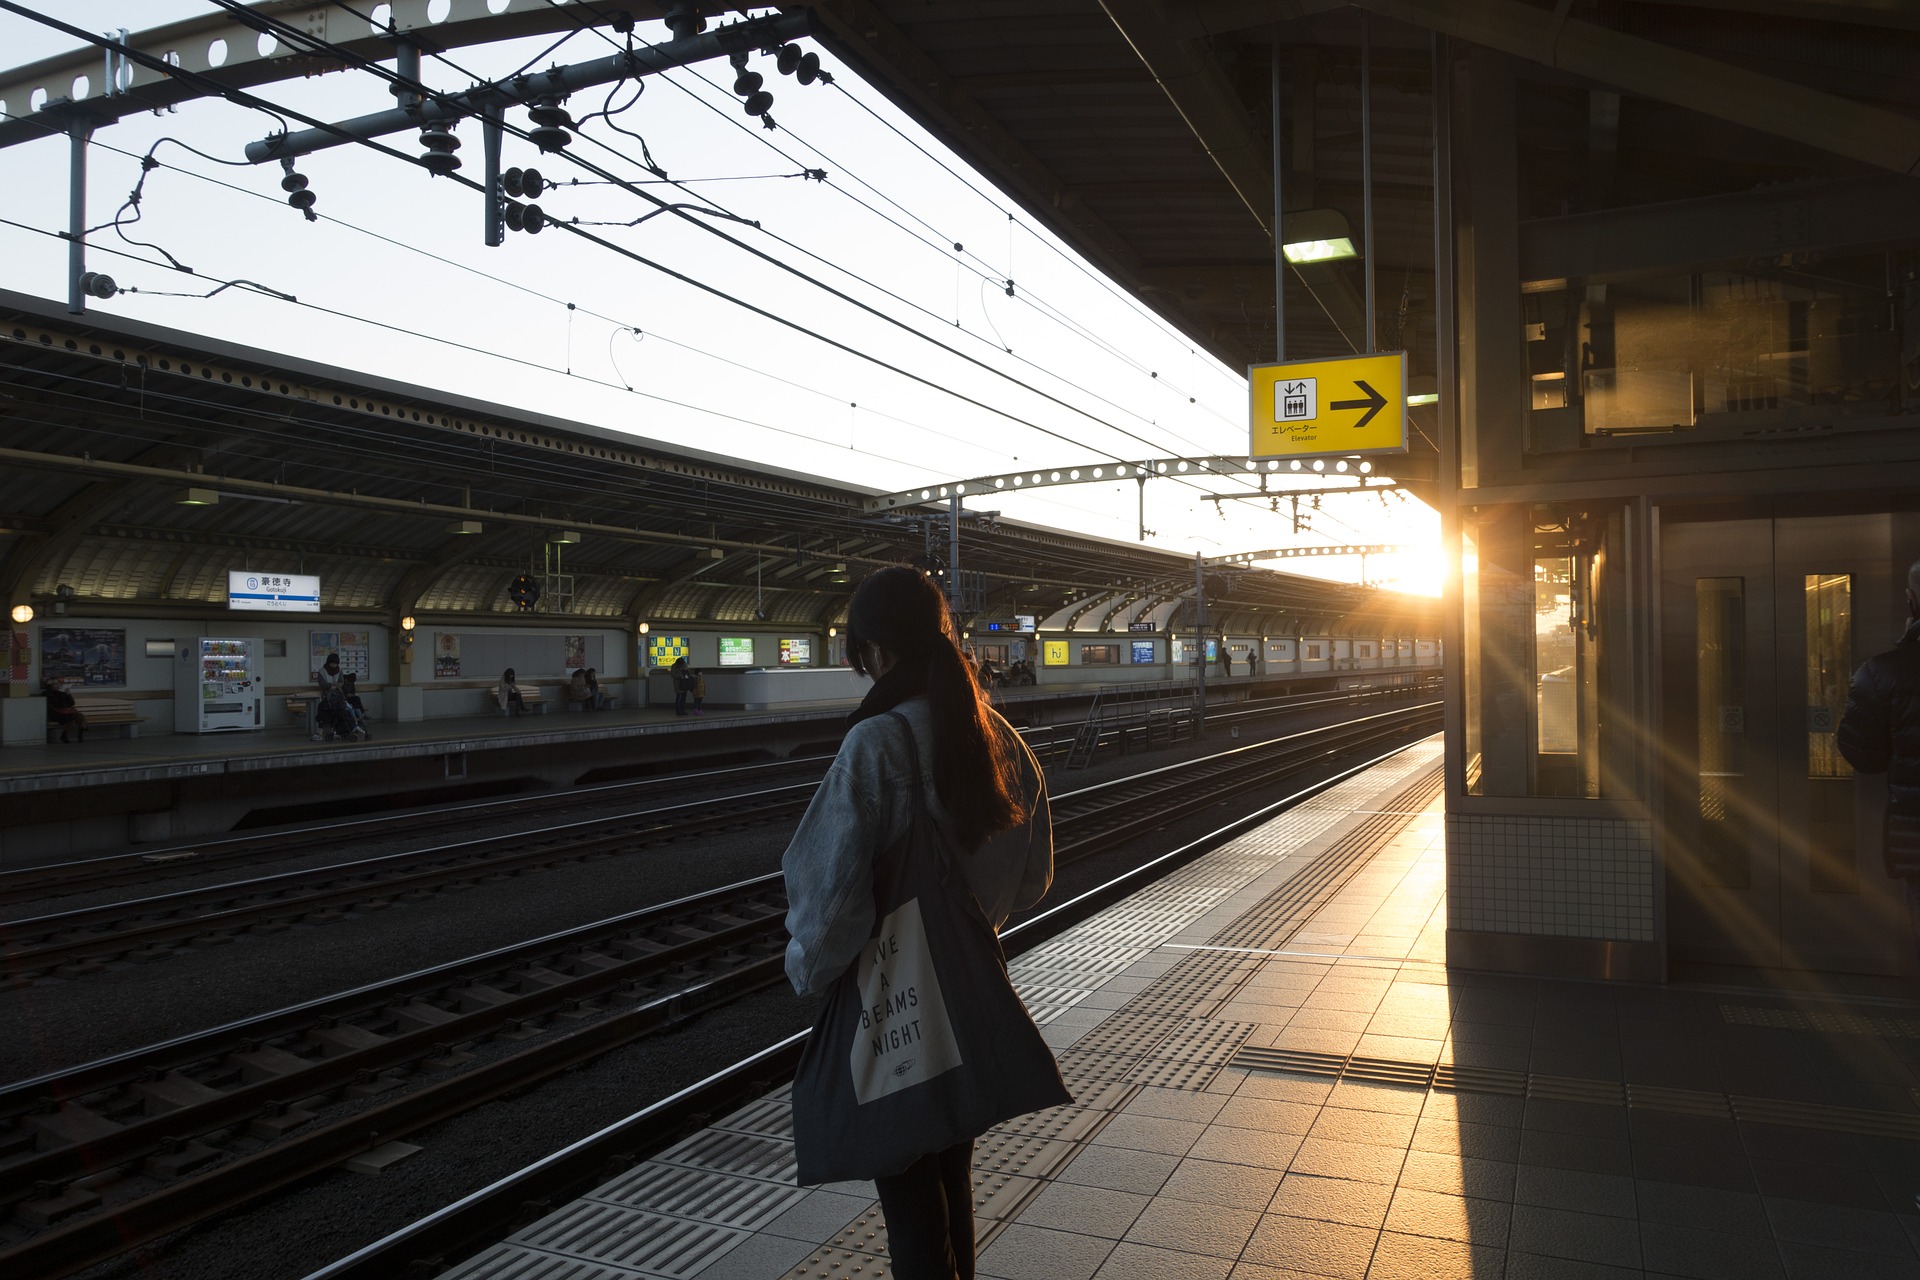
column 736, row 651
column 354, row 647
column 93, row 657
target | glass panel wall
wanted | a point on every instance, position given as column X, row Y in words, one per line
column 1547, row 646
column 1832, row 866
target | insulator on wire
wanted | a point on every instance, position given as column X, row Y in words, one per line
column 759, row 102
column 747, row 83
column 529, row 218
column 804, row 66
column 551, row 123
column 98, row 284
column 440, row 144
column 787, row 58
column 523, row 182
column 295, row 185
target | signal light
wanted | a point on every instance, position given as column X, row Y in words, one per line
column 440, row 145
column 551, row 123
column 295, row 185
column 523, row 182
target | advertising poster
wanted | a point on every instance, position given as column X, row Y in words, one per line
column 664, row 651
column 354, row 647
column 1054, row 653
column 1142, row 652
column 94, row 657
column 576, row 653
column 446, row 656
column 736, row 651
column 796, row 651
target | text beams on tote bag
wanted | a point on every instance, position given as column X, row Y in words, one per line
column 923, row 1042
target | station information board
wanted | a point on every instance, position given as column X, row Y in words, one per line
column 1329, row 408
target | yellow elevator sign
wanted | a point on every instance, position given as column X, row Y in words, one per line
column 1316, row 408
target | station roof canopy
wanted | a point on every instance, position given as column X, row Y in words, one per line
column 138, row 465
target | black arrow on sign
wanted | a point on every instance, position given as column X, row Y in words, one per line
column 1373, row 404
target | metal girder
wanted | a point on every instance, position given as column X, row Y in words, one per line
column 560, row 82
column 1653, row 70
column 1853, row 213
column 1100, row 472
column 1219, row 17
column 117, row 87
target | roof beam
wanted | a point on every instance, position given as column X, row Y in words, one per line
column 1219, row 17
column 1653, row 70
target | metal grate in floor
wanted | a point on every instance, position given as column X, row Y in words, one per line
column 1832, row 1022
column 705, row 1195
column 1904, row 1126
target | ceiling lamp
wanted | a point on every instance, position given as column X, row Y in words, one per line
column 1317, row 235
column 197, row 498
column 465, row 526
column 566, row 537
column 23, row 613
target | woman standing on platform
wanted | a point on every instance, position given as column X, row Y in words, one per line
column 933, row 810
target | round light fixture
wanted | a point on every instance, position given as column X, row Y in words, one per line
column 644, row 628
column 23, row 613
column 408, row 623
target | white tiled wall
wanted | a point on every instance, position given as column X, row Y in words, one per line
column 1556, row 877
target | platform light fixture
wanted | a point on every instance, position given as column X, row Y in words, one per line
column 197, row 498
column 23, row 613
column 1317, row 235
column 408, row 623
column 564, row 537
column 465, row 527
column 1427, row 397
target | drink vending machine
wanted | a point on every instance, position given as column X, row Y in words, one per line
column 219, row 685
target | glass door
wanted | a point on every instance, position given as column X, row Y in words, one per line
column 1771, row 845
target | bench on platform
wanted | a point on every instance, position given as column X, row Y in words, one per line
column 531, row 699
column 105, row 713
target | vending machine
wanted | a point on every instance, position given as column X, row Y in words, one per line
column 219, row 685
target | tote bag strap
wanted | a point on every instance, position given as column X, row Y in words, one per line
column 941, row 841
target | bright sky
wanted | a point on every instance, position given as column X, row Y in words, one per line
column 890, row 228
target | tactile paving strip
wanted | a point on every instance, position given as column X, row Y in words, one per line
column 510, row 1262
column 650, row 1243
column 701, row 1194
column 1904, row 1126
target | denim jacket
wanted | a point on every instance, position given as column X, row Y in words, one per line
column 864, row 807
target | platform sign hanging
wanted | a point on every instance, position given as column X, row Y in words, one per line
column 273, row 592
column 1329, row 408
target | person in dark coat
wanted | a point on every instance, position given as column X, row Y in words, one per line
column 1880, row 733
column 682, row 685
column 62, row 711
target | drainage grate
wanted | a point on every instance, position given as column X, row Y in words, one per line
column 1903, row 1126
column 1831, row 1022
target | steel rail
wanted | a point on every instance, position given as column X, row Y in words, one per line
column 466, row 1225
column 73, row 942
column 366, row 1061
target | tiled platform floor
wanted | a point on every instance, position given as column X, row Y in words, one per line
column 1433, row 1125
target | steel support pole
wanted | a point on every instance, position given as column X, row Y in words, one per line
column 1366, row 173
column 1200, row 639
column 953, row 555
column 78, row 131
column 1279, row 226
column 495, row 209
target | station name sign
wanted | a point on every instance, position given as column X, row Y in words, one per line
column 1329, row 408
column 1141, row 626
column 273, row 592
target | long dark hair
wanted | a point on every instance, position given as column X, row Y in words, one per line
column 974, row 770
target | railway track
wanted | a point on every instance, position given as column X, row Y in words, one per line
column 134, row 1146
column 73, row 943
column 137, row 867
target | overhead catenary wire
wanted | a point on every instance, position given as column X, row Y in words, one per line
column 254, row 102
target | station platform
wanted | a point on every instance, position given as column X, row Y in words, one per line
column 1277, row 1078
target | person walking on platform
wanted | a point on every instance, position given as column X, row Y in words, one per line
column 682, row 685
column 508, row 695
column 62, row 713
column 930, row 829
column 1880, row 733
column 699, row 691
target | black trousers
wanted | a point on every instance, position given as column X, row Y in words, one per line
column 929, row 1210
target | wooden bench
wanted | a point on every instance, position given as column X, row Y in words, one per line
column 105, row 713
column 531, row 699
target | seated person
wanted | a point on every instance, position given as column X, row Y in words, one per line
column 579, row 692
column 600, row 700
column 507, row 694
column 61, row 710
column 352, row 695
column 334, row 717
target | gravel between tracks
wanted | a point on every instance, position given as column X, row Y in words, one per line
column 64, row 1023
